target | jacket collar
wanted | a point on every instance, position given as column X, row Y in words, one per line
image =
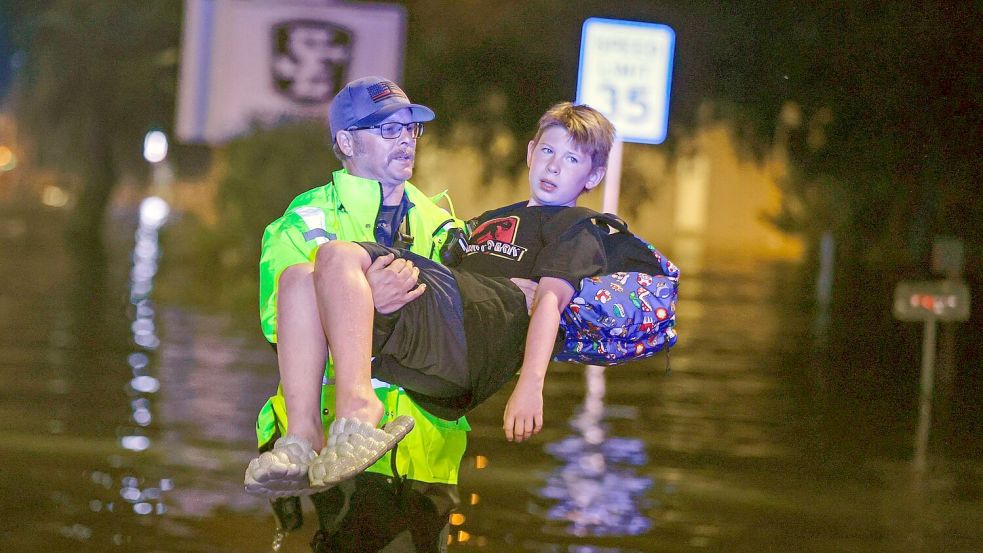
column 361, row 196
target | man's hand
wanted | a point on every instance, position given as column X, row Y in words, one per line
column 393, row 283
column 524, row 412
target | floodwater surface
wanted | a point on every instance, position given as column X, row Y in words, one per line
column 128, row 422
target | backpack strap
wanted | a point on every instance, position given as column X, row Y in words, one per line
column 623, row 250
column 612, row 221
column 573, row 216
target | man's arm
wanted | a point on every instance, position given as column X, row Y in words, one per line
column 524, row 412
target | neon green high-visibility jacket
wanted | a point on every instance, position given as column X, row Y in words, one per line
column 346, row 209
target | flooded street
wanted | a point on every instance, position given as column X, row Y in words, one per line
column 129, row 422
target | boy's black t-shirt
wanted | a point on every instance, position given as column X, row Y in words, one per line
column 533, row 242
column 522, row 242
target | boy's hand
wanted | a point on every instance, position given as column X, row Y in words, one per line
column 393, row 283
column 524, row 412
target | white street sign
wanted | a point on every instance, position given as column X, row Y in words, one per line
column 625, row 73
column 263, row 61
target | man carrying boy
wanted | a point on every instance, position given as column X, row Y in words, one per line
column 374, row 130
column 469, row 331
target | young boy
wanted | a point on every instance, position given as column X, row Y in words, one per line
column 468, row 333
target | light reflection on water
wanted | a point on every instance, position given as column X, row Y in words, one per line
column 99, row 450
column 596, row 487
column 142, row 387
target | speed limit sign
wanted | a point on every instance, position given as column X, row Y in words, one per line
column 625, row 72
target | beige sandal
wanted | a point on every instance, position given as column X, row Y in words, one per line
column 282, row 471
column 354, row 446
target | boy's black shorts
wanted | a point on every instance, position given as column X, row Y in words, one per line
column 455, row 345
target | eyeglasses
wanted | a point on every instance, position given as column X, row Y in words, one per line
column 393, row 129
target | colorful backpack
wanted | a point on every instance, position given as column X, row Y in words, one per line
column 614, row 318
column 625, row 315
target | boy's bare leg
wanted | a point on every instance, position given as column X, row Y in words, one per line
column 329, row 302
column 344, row 303
column 301, row 353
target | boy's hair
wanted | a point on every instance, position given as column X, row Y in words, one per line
column 588, row 128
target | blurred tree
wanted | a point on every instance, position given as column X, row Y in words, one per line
column 97, row 75
column 6, row 56
column 877, row 104
column 258, row 174
column 886, row 150
column 265, row 171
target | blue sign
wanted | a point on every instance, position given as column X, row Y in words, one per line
column 625, row 73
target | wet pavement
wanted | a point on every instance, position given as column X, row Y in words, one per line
column 128, row 421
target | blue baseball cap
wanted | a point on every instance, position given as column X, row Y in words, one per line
column 368, row 101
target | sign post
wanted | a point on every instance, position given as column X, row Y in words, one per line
column 930, row 301
column 625, row 73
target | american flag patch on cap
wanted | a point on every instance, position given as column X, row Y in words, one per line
column 383, row 90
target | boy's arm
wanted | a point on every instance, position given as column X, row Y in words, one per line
column 524, row 412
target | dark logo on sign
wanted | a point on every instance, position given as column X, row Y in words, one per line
column 310, row 60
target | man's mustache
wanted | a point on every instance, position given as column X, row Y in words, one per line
column 404, row 153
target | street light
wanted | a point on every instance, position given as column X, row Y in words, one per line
column 154, row 209
column 155, row 146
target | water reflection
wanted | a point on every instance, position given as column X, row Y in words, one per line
column 740, row 450
column 147, row 499
column 597, row 490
